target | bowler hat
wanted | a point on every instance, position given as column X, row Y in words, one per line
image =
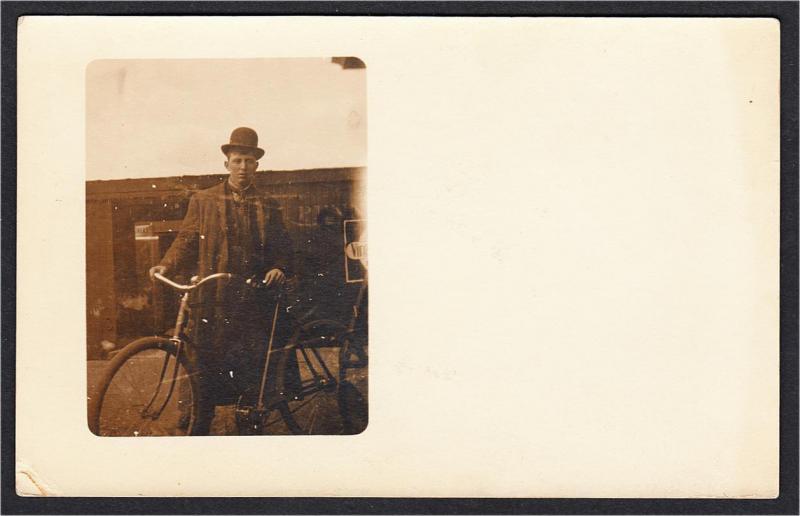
column 244, row 139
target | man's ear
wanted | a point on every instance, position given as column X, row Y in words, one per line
column 226, row 164
column 256, row 165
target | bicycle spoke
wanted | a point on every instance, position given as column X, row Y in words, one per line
column 140, row 400
column 317, row 413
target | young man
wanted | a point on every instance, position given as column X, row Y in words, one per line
column 232, row 227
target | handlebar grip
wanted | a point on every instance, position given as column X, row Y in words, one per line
column 256, row 284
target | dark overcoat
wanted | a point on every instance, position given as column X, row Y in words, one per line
column 202, row 243
column 228, row 323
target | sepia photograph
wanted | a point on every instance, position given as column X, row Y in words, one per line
column 226, row 264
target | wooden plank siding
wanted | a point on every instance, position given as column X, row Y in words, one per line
column 121, row 302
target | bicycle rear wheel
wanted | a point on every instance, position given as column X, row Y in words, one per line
column 145, row 391
column 330, row 399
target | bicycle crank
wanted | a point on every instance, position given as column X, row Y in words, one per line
column 250, row 420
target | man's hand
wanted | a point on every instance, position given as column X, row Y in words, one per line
column 160, row 269
column 274, row 276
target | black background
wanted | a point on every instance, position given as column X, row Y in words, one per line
column 786, row 503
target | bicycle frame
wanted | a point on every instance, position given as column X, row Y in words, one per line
column 177, row 339
column 316, row 375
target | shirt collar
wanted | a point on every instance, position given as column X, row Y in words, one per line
column 240, row 191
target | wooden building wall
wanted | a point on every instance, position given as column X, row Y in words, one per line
column 130, row 224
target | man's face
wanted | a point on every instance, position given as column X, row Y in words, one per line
column 242, row 167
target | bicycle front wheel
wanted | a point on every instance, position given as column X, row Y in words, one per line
column 148, row 389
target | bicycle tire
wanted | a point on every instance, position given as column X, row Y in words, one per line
column 352, row 399
column 335, row 407
column 128, row 384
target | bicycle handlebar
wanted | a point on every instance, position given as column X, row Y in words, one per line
column 195, row 283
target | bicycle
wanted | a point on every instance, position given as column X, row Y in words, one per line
column 151, row 387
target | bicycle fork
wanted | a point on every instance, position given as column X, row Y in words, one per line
column 178, row 348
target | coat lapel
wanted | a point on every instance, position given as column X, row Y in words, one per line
column 222, row 212
column 261, row 218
